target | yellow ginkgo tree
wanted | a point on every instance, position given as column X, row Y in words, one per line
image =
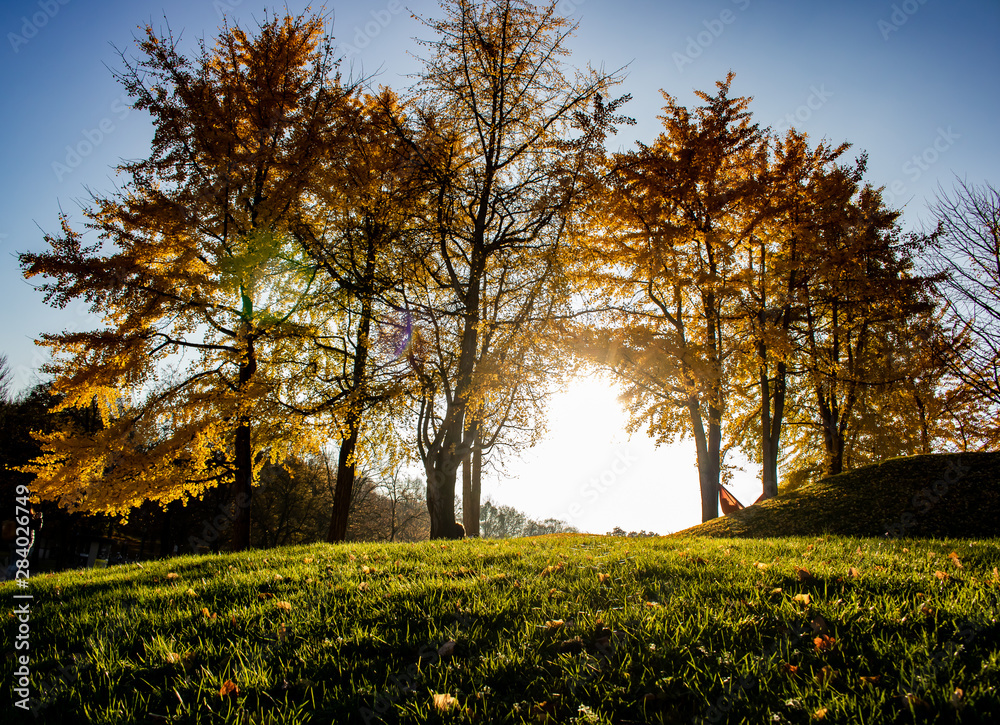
column 193, row 270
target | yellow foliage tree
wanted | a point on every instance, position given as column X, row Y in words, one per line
column 195, row 275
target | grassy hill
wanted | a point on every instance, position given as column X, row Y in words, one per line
column 564, row 629
column 948, row 495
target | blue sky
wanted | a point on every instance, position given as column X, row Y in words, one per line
column 913, row 83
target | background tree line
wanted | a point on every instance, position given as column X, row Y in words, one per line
column 407, row 275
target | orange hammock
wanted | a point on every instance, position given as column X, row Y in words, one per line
column 729, row 503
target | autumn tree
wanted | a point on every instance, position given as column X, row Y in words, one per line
column 773, row 271
column 495, row 95
column 358, row 230
column 859, row 284
column 194, row 272
column 666, row 250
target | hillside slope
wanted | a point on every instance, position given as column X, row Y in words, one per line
column 918, row 496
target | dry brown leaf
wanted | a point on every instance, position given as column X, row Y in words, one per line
column 229, row 688
column 854, row 573
column 804, row 575
column 287, row 606
column 447, row 649
column 824, row 643
column 443, row 702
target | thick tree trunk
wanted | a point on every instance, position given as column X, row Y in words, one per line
column 442, row 470
column 344, row 488
column 708, row 467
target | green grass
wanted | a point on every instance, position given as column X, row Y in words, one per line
column 657, row 630
column 927, row 496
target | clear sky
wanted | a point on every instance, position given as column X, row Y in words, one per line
column 912, row 82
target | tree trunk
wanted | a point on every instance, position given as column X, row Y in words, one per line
column 771, row 420
column 345, row 462
column 444, row 457
column 344, row 487
column 708, row 469
column 243, row 481
column 441, row 471
column 472, row 490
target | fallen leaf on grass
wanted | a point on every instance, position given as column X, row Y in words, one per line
column 173, row 575
column 804, row 575
column 443, row 702
column 956, row 698
column 229, row 688
column 824, row 643
column 544, row 711
column 173, row 658
column 854, row 573
column 789, row 669
column 602, row 577
column 570, row 646
column 942, row 575
column 207, row 614
column 820, row 714
column 191, row 593
column 870, row 679
column 287, row 606
column 954, row 560
column 802, row 599
column 447, row 649
column 826, row 675
column 363, row 587
column 307, row 560
column 554, row 624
